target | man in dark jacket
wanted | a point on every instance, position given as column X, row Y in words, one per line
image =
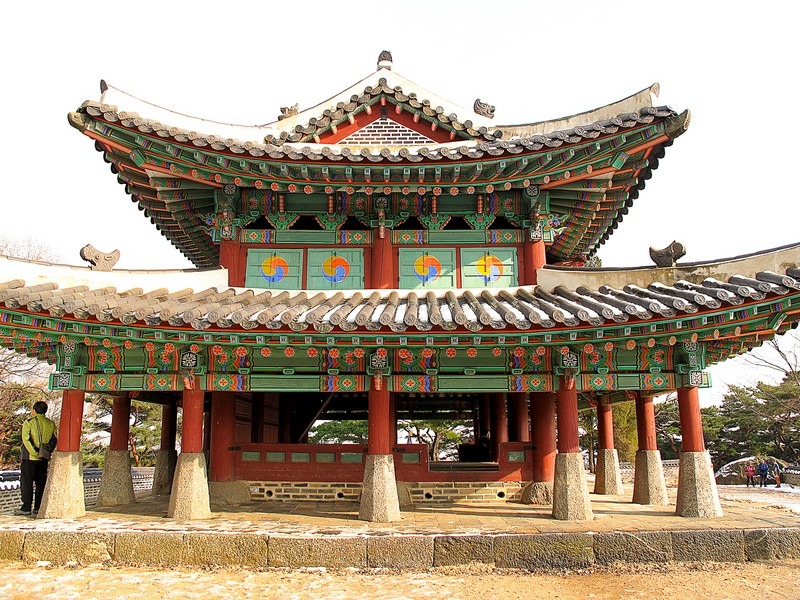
column 763, row 471
column 36, row 431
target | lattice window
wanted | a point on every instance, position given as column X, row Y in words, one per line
column 386, row 132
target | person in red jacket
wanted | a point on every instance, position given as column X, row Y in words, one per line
column 750, row 473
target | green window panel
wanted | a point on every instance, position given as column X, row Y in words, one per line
column 488, row 267
column 335, row 269
column 427, row 268
column 274, row 269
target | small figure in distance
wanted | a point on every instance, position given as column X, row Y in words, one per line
column 750, row 473
column 777, row 471
column 37, row 431
column 763, row 471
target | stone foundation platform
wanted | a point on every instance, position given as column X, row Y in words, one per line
column 329, row 534
column 416, row 552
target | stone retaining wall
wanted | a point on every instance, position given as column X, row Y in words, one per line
column 670, row 472
column 142, row 483
column 520, row 551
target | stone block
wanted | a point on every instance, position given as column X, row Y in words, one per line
column 63, row 494
column 224, row 549
column 697, row 489
column 649, row 486
column 644, row 546
column 59, row 547
column 462, row 549
column 538, row 492
column 608, row 479
column 769, row 544
column 546, row 550
column 228, row 493
column 570, row 492
column 400, row 551
column 189, row 498
column 11, row 543
column 116, row 487
column 708, row 545
column 379, row 502
column 330, row 552
column 153, row 548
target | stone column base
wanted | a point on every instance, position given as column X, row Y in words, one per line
column 538, row 492
column 116, row 487
column 379, row 502
column 228, row 493
column 189, row 498
column 164, row 472
column 63, row 493
column 697, row 490
column 649, row 486
column 570, row 492
column 608, row 479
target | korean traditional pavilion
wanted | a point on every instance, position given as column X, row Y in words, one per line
column 387, row 255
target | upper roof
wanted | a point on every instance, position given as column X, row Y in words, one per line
column 384, row 133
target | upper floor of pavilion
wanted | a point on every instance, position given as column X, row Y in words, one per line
column 383, row 153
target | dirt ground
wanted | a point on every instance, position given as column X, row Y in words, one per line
column 779, row 579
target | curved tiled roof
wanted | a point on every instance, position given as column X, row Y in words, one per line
column 523, row 308
column 290, row 145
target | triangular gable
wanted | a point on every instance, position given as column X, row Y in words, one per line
column 384, row 94
column 386, row 132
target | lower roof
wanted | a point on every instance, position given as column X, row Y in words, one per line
column 571, row 305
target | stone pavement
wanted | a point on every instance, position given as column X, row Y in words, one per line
column 268, row 534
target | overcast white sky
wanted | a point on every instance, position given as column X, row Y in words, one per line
column 721, row 189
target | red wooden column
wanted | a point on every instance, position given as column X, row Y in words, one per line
column 543, row 435
column 223, row 436
column 230, row 258
column 257, row 417
column 518, row 429
column 567, row 411
column 534, row 258
column 570, row 492
column 379, row 432
column 608, row 478
column 499, row 428
column 697, row 488
column 605, row 427
column 69, row 428
column 169, row 426
column 189, row 496
column 120, row 423
column 382, row 267
column 192, row 432
column 646, row 423
column 649, row 486
column 691, row 422
column 485, row 415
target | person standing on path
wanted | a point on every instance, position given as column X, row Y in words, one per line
column 36, row 431
column 750, row 473
column 763, row 471
column 777, row 472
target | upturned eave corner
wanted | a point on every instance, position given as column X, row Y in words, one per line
column 77, row 120
column 677, row 126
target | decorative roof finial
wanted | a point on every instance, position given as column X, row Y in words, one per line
column 667, row 257
column 99, row 261
column 289, row 111
column 483, row 109
column 385, row 60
